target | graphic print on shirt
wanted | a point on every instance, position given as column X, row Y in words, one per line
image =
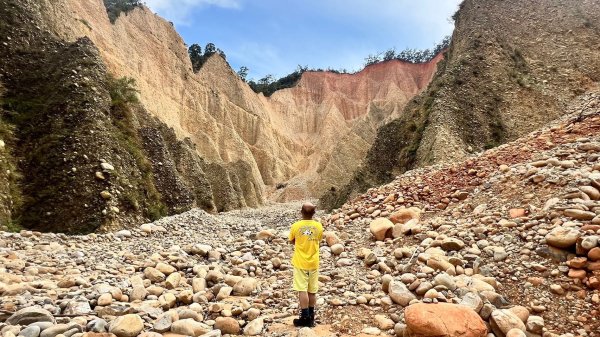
column 309, row 232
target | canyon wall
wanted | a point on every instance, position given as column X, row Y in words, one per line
column 308, row 138
column 200, row 139
column 513, row 66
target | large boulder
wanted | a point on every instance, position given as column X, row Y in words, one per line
column 443, row 319
column 381, row 228
column 404, row 215
column 563, row 237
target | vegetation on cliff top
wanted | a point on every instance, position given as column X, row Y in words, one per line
column 198, row 58
column 114, row 8
column 268, row 84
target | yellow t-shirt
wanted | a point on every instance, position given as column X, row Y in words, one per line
column 308, row 234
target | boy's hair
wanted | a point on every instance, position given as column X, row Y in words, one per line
column 308, row 210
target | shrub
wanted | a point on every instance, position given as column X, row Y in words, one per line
column 124, row 96
column 114, row 8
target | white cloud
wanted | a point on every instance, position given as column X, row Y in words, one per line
column 178, row 10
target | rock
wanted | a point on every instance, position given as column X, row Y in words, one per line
column 31, row 331
column 80, row 307
column 383, row 322
column 337, row 249
column 163, row 323
column 54, row 330
column 452, row 244
column 224, row 292
column 107, row 167
column 105, row 299
column 472, row 300
column 515, row 333
column 443, row 319
column 138, row 293
column 30, row 315
column 399, row 293
column 127, row 326
column 227, row 325
column 173, row 280
column 254, row 328
column 400, row 330
column 563, row 237
column 521, row 312
column 504, row 320
column 165, row 268
column 578, row 214
column 264, row 234
column 517, row 212
column 402, row 216
column 97, row 325
column 371, row 331
column 592, row 192
column 535, row 324
column 154, row 275
column 189, row 327
column 245, row 287
column 381, row 228
column 198, row 284
column 123, row 234
column 439, row 263
column 331, row 238
column 589, row 242
column 306, row 332
column 594, row 254
column 385, row 282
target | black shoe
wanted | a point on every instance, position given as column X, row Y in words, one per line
column 304, row 321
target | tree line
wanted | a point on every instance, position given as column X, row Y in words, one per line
column 269, row 84
column 409, row 54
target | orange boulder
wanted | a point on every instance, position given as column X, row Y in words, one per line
column 443, row 319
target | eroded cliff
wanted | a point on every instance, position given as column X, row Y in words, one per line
column 513, row 66
column 194, row 140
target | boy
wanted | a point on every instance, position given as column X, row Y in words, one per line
column 306, row 235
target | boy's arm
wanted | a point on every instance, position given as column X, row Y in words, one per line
column 292, row 237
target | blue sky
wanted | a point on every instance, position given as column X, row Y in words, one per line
column 275, row 36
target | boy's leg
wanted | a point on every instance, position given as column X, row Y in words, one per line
column 304, row 298
column 313, row 287
column 301, row 286
column 312, row 300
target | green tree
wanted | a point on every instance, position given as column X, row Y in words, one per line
column 195, row 52
column 372, row 59
column 268, row 79
column 389, row 55
column 243, row 73
column 210, row 49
